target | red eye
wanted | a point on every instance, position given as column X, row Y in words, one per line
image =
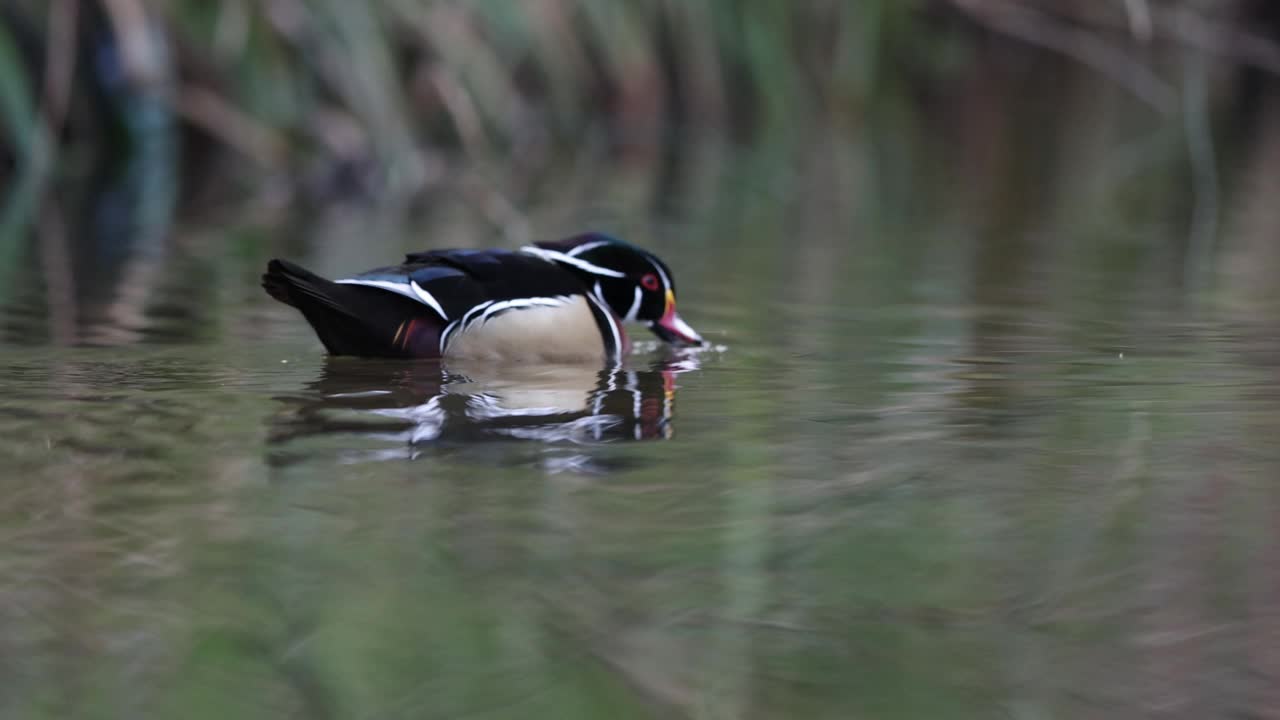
column 650, row 282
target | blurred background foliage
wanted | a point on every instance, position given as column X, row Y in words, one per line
column 129, row 127
column 321, row 96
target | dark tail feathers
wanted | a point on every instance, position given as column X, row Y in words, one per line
column 352, row 319
column 297, row 286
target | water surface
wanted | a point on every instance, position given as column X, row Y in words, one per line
column 952, row 455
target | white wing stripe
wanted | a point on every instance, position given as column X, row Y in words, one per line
column 395, row 287
column 428, row 298
column 666, row 281
column 411, row 290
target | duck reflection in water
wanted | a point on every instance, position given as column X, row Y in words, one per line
column 427, row 405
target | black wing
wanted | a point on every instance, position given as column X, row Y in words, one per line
column 452, row 282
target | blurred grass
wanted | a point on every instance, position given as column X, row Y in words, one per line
column 324, row 89
column 17, row 110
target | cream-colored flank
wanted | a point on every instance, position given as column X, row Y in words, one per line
column 564, row 333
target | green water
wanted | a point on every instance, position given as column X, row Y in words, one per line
column 969, row 443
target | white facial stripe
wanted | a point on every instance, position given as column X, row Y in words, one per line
column 635, row 306
column 579, row 263
column 666, row 281
column 588, row 246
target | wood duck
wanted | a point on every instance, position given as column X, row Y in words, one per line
column 556, row 301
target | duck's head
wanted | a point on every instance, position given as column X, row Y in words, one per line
column 634, row 283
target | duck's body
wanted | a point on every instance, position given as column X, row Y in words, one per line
column 548, row 302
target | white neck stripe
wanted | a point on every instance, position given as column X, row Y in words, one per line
column 613, row 326
column 635, row 306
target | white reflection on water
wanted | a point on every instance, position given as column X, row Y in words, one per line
column 434, row 405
